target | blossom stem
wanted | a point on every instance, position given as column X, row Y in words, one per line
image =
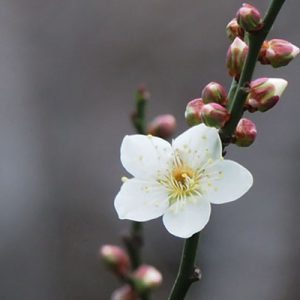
column 256, row 39
column 232, row 89
column 237, row 96
column 134, row 241
column 187, row 273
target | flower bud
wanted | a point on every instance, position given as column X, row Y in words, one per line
column 146, row 278
column 214, row 115
column 115, row 258
column 142, row 93
column 214, row 92
column 193, row 112
column 277, row 53
column 236, row 56
column 162, row 126
column 124, row 293
column 249, row 18
column 245, row 133
column 265, row 93
column 233, row 30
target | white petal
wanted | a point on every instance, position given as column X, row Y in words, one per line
column 279, row 84
column 295, row 51
column 145, row 156
column 227, row 182
column 198, row 144
column 141, row 200
column 187, row 220
column 238, row 44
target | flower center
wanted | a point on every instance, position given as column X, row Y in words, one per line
column 182, row 182
column 182, row 174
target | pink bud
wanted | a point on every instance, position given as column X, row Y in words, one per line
column 142, row 93
column 124, row 293
column 162, row 126
column 265, row 93
column 146, row 278
column 214, row 115
column 214, row 92
column 115, row 258
column 236, row 56
column 245, row 133
column 233, row 30
column 193, row 112
column 278, row 53
column 249, row 18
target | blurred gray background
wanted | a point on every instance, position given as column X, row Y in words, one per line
column 68, row 72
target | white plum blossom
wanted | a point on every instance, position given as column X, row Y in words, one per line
column 178, row 181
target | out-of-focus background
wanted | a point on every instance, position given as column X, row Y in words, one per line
column 67, row 76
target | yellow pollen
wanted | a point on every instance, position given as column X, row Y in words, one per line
column 180, row 174
column 124, row 179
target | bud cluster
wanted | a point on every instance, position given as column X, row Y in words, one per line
column 140, row 281
column 210, row 109
column 263, row 93
column 275, row 52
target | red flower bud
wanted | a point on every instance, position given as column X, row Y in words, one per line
column 265, row 93
column 233, row 30
column 124, row 293
column 214, row 115
column 193, row 112
column 277, row 53
column 146, row 278
column 162, row 126
column 142, row 93
column 214, row 92
column 249, row 18
column 245, row 133
column 236, row 56
column 115, row 258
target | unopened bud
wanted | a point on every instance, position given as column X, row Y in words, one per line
column 162, row 126
column 249, row 18
column 193, row 112
column 214, row 92
column 124, row 293
column 146, row 278
column 236, row 56
column 265, row 93
column 142, row 93
column 233, row 30
column 214, row 115
column 245, row 133
column 277, row 53
column 115, row 258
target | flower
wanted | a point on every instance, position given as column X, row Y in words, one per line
column 178, row 181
